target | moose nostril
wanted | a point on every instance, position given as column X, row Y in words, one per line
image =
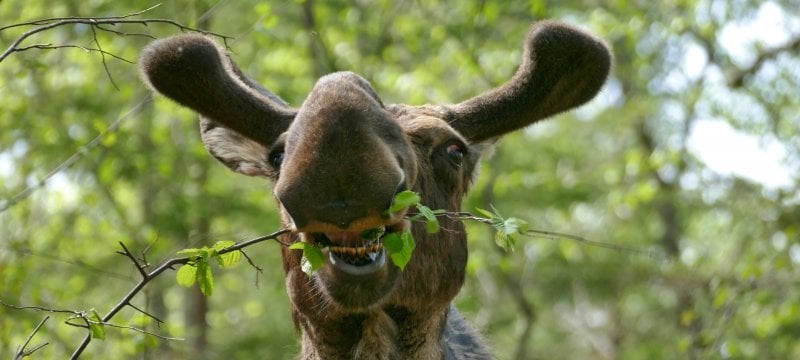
column 338, row 204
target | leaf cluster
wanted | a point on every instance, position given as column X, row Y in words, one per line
column 198, row 269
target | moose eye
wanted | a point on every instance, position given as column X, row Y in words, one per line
column 455, row 153
column 275, row 158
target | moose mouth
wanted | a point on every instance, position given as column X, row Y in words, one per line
column 356, row 253
column 360, row 260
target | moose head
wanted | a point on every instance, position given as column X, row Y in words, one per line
column 337, row 163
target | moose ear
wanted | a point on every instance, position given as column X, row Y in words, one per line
column 196, row 72
column 238, row 153
column 562, row 68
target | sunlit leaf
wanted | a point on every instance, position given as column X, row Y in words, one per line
column 205, row 278
column 229, row 259
column 312, row 260
column 187, row 275
column 431, row 222
column 404, row 199
column 97, row 328
column 506, row 230
column 223, row 244
column 400, row 247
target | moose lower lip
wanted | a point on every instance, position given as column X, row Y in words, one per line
column 367, row 264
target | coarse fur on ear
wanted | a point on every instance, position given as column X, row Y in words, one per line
column 235, row 151
column 562, row 68
column 196, row 72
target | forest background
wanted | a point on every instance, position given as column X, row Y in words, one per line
column 681, row 177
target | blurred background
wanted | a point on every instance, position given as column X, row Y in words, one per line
column 690, row 155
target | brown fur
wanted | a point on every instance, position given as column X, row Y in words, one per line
column 345, row 155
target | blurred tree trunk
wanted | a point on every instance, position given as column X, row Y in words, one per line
column 324, row 61
column 197, row 307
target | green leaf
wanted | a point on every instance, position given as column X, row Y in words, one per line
column 312, row 260
column 507, row 230
column 229, row 259
column 403, row 200
column 505, row 241
column 515, row 226
column 96, row 326
column 223, row 244
column 306, row 266
column 486, row 213
column 400, row 247
column 431, row 222
column 186, row 275
column 298, row 245
column 205, row 277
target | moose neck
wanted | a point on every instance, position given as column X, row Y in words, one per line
column 380, row 334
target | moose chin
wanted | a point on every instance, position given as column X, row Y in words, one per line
column 336, row 164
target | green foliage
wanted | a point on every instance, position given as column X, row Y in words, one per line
column 96, row 326
column 618, row 170
column 403, row 200
column 187, row 275
column 198, row 268
column 400, row 247
column 429, row 216
column 312, row 259
column 506, row 230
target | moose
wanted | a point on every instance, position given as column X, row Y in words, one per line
column 336, row 164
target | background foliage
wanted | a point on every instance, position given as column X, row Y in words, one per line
column 628, row 169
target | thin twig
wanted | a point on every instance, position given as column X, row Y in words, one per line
column 82, row 316
column 159, row 321
column 145, row 263
column 103, row 58
column 94, row 22
column 169, row 264
column 553, row 235
column 253, row 264
column 125, row 33
column 127, row 253
column 39, row 308
column 68, row 46
column 104, row 323
column 21, row 352
column 49, row 20
column 136, row 329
